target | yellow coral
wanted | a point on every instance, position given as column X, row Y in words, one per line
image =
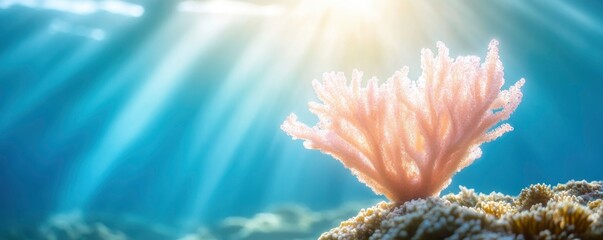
column 466, row 197
column 596, row 204
column 566, row 219
column 495, row 208
column 533, row 195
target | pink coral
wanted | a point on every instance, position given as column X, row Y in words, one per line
column 406, row 139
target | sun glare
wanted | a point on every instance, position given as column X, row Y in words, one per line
column 340, row 8
column 352, row 7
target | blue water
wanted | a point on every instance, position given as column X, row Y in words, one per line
column 171, row 113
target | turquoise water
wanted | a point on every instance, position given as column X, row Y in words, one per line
column 169, row 111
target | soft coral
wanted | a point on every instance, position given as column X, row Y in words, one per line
column 406, row 139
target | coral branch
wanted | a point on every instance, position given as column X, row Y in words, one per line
column 406, row 139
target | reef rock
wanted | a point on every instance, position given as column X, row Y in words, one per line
column 567, row 211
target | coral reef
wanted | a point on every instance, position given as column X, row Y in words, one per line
column 568, row 211
column 561, row 220
column 405, row 139
column 363, row 225
column 536, row 194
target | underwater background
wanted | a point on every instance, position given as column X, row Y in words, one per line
column 167, row 113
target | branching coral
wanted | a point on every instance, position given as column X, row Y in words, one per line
column 406, row 139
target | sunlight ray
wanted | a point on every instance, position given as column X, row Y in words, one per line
column 51, row 83
column 259, row 96
column 136, row 116
column 119, row 78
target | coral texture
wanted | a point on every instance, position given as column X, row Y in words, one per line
column 406, row 139
column 574, row 211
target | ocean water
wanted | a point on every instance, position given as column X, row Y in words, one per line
column 160, row 119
